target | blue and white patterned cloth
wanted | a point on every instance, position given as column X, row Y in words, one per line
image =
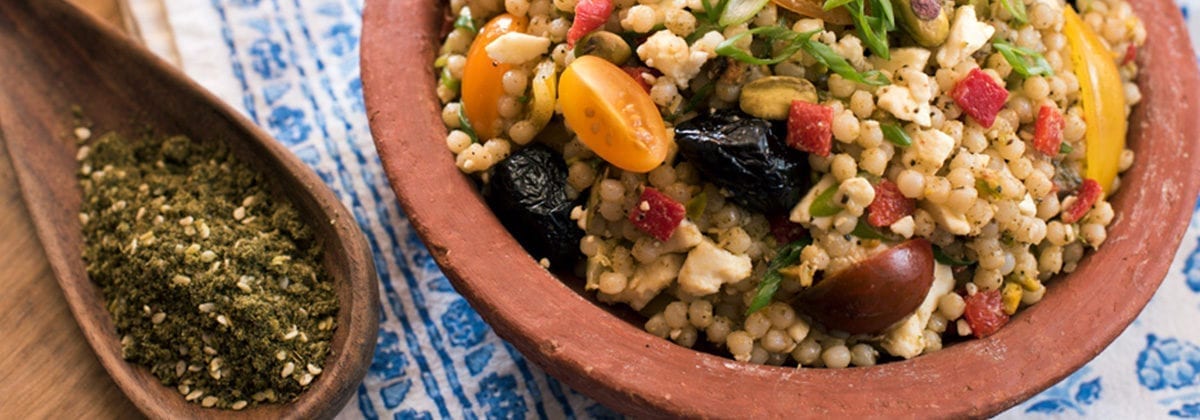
column 292, row 67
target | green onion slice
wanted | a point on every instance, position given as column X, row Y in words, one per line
column 1024, row 61
column 788, row 255
column 896, row 135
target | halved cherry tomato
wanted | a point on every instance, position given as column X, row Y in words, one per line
column 612, row 115
column 482, row 84
column 1103, row 98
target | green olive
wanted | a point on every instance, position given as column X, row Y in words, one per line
column 607, row 45
column 928, row 21
column 771, row 97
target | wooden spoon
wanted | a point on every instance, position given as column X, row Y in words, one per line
column 56, row 57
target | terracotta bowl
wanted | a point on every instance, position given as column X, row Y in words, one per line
column 617, row 363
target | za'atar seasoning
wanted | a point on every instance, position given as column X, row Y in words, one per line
column 212, row 283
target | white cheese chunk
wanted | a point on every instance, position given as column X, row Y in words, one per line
column 905, row 339
column 967, row 35
column 708, row 267
column 517, row 48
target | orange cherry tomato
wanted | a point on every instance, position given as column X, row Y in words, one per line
column 613, row 115
column 482, row 84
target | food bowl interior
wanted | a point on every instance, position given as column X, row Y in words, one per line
column 604, row 352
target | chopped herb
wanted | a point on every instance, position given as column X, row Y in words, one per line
column 788, row 255
column 214, row 285
column 940, row 256
column 1016, row 8
column 866, row 231
column 523, row 99
column 464, row 124
column 1065, row 148
column 465, row 21
column 872, row 30
column 738, row 12
column 823, row 205
column 696, row 206
column 986, row 189
column 702, row 94
column 1024, row 61
column 793, row 42
column 448, row 80
column 893, row 133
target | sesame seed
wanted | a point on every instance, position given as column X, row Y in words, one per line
column 208, row 256
column 287, row 370
column 186, row 221
column 194, row 368
column 239, row 405
column 291, row 334
column 221, row 319
column 158, row 318
column 184, row 389
column 84, row 218
column 248, row 201
column 208, row 401
column 180, row 367
column 239, row 213
column 281, row 355
column 83, row 153
column 194, row 395
column 305, row 380
column 210, row 351
column 83, row 133
column 206, row 307
column 314, row 369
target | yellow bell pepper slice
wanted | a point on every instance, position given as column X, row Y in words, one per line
column 482, row 84
column 613, row 115
column 1103, row 97
column 545, row 76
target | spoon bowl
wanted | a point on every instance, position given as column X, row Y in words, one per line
column 56, row 59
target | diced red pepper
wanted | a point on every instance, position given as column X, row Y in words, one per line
column 1130, row 54
column 985, row 313
column 810, row 128
column 1087, row 195
column 889, row 205
column 785, row 231
column 657, row 214
column 1048, row 131
column 639, row 75
column 980, row 97
column 589, row 15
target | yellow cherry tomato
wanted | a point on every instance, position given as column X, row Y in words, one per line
column 613, row 115
column 482, row 84
column 1103, row 96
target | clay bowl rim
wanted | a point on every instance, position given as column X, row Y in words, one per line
column 634, row 372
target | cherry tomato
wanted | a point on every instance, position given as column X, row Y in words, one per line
column 1103, row 98
column 613, row 115
column 482, row 84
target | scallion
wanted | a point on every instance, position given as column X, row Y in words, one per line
column 464, row 124
column 793, row 43
column 941, row 257
column 464, row 21
column 893, row 133
column 1016, row 8
column 738, row 12
column 1024, row 61
column 822, row 205
column 788, row 255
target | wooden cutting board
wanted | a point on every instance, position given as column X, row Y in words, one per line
column 47, row 369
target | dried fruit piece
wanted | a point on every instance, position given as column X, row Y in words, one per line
column 1048, row 131
column 889, row 205
column 1087, row 195
column 785, row 231
column 980, row 96
column 810, row 128
column 589, row 15
column 985, row 313
column 657, row 214
column 639, row 75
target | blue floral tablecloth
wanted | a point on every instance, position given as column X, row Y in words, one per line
column 292, row 67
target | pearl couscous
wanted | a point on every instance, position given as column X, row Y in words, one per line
column 823, row 184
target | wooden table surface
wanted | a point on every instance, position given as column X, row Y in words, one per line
column 47, row 370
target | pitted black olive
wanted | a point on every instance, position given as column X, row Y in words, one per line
column 528, row 193
column 747, row 157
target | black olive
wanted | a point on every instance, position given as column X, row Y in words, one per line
column 528, row 193
column 747, row 157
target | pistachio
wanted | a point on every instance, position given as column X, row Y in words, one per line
column 927, row 21
column 771, row 97
column 606, row 45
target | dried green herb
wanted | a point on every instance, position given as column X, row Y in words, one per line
column 213, row 284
